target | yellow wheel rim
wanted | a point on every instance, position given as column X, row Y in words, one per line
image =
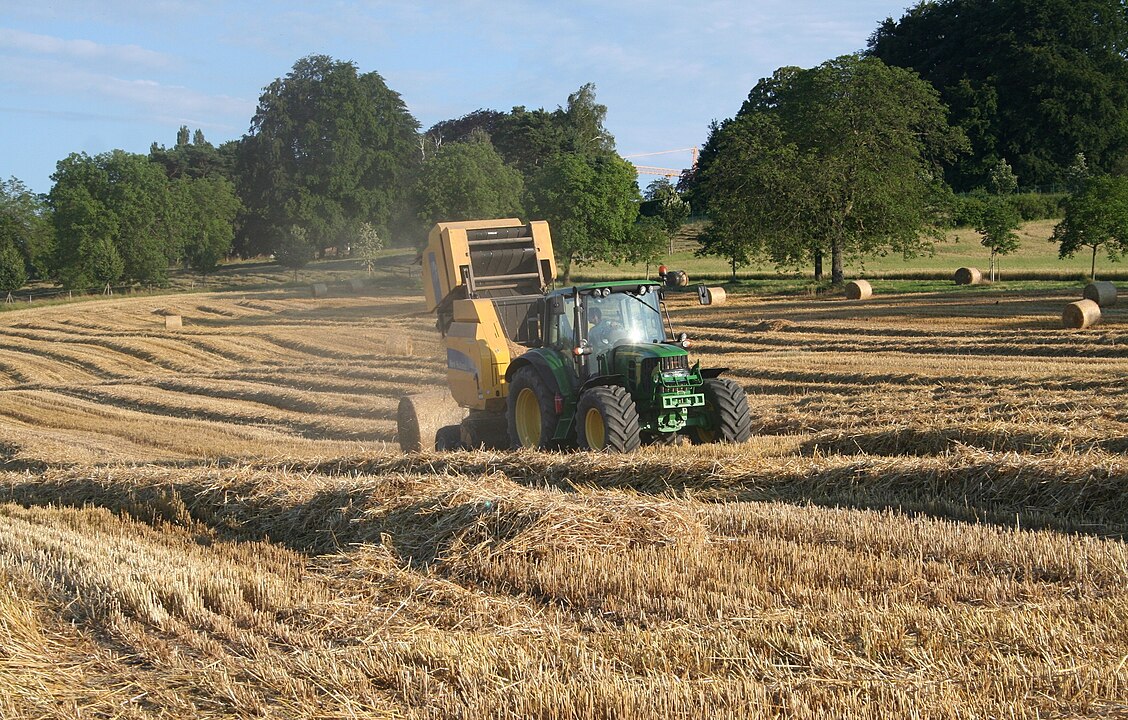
column 528, row 419
column 594, row 430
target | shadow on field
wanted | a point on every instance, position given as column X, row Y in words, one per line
column 926, row 442
column 422, row 503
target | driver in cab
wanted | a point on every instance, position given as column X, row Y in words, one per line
column 599, row 330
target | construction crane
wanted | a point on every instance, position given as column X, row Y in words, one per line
column 661, row 171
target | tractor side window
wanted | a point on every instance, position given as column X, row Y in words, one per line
column 560, row 334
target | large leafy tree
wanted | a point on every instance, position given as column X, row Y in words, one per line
column 591, row 203
column 836, row 160
column 582, row 121
column 115, row 197
column 25, row 225
column 748, row 180
column 1031, row 81
column 527, row 139
column 328, row 147
column 466, row 180
column 207, row 207
column 1096, row 217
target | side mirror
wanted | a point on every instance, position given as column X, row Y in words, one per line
column 556, row 305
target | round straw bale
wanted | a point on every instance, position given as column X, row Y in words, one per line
column 1081, row 314
column 1101, row 292
column 717, row 295
column 356, row 285
column 858, row 290
column 420, row 416
column 968, row 276
column 172, row 322
column 319, row 290
column 401, row 345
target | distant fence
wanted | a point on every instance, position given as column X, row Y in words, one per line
column 28, row 297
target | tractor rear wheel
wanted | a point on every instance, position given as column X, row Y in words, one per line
column 531, row 410
column 607, row 420
column 726, row 413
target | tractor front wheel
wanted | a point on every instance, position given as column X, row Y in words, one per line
column 607, row 420
column 531, row 410
column 726, row 414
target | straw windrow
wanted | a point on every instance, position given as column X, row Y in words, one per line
column 217, row 522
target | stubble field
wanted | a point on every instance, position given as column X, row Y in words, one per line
column 216, row 522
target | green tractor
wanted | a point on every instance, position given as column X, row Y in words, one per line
column 607, row 376
column 531, row 366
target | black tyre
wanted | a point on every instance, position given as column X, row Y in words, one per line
column 485, row 429
column 531, row 413
column 726, row 414
column 448, row 438
column 607, row 420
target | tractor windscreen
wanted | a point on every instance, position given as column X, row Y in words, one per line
column 623, row 317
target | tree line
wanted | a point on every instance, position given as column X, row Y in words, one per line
column 942, row 118
column 947, row 113
column 333, row 160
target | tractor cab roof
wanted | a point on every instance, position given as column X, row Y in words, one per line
column 612, row 285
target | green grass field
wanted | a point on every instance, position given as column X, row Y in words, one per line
column 1036, row 258
column 1035, row 266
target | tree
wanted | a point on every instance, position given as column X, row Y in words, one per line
column 1002, row 180
column 101, row 262
column 197, row 159
column 464, row 181
column 648, row 238
column 328, row 146
column 582, row 122
column 839, row 159
column 1095, row 217
column 117, row 197
column 748, row 182
column 1035, row 81
column 367, row 245
column 526, row 139
column 25, row 224
column 997, row 222
column 13, row 273
column 207, row 209
column 296, row 249
column 591, row 204
column 147, row 235
column 462, row 129
column 1077, row 174
column 667, row 204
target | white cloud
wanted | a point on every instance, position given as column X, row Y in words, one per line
column 110, row 95
column 85, row 51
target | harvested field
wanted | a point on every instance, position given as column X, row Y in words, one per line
column 214, row 521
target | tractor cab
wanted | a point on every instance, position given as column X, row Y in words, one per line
column 592, row 321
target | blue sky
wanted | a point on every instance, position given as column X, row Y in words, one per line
column 84, row 76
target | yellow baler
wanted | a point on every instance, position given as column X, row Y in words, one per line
column 484, row 280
